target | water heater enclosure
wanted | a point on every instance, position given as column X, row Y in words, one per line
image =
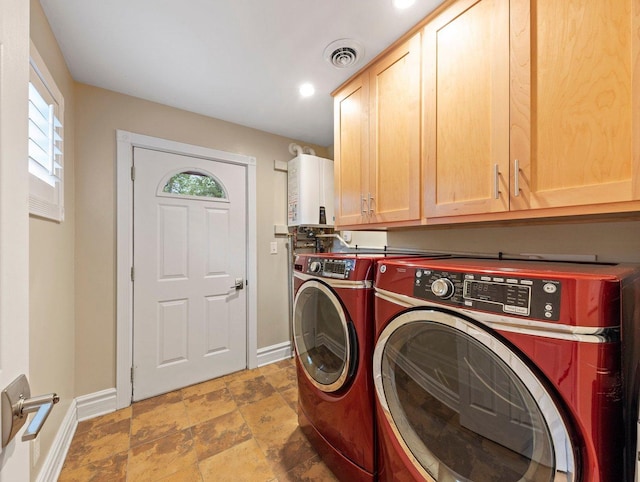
column 310, row 191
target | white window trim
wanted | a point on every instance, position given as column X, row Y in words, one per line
column 46, row 199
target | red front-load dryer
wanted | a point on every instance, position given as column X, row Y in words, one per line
column 333, row 336
column 490, row 370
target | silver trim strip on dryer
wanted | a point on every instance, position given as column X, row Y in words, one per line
column 582, row 334
column 335, row 283
column 559, row 433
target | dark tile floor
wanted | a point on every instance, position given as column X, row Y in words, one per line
column 241, row 427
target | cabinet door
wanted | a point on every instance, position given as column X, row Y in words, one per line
column 466, row 117
column 574, row 112
column 394, row 167
column 351, row 136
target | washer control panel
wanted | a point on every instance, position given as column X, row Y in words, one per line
column 508, row 295
column 331, row 268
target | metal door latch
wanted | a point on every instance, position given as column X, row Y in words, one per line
column 17, row 403
column 239, row 284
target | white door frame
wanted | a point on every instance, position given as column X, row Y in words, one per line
column 14, row 217
column 126, row 141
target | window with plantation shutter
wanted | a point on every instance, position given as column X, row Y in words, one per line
column 46, row 112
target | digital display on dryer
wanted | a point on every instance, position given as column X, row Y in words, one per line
column 336, row 267
column 513, row 298
column 331, row 268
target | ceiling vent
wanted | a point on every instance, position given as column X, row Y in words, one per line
column 343, row 53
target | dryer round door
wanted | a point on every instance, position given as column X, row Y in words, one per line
column 464, row 406
column 321, row 335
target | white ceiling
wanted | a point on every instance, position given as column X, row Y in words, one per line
column 237, row 60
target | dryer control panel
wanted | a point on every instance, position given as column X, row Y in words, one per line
column 507, row 295
column 331, row 268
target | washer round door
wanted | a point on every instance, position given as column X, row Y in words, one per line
column 322, row 336
column 464, row 406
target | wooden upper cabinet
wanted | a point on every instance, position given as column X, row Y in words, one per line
column 575, row 102
column 377, row 141
column 466, row 109
column 351, row 146
column 520, row 108
column 394, row 122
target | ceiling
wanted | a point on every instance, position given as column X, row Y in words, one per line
column 241, row 61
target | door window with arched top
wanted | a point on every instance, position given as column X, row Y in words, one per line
column 194, row 184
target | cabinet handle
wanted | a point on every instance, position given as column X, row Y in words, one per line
column 496, row 181
column 516, row 181
column 370, row 204
column 363, row 210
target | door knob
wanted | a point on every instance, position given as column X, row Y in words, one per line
column 17, row 403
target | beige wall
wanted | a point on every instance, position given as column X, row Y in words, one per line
column 98, row 114
column 51, row 262
column 609, row 241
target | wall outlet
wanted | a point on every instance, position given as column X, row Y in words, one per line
column 274, row 247
column 36, row 450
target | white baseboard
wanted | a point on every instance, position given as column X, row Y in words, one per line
column 54, row 461
column 82, row 408
column 96, row 404
column 274, row 353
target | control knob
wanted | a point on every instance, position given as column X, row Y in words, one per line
column 442, row 288
column 315, row 266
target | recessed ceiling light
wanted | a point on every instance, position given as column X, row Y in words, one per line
column 403, row 3
column 307, row 90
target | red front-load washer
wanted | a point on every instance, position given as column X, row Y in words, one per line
column 333, row 336
column 490, row 370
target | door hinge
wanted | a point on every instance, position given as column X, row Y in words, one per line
column 131, row 374
column 133, row 173
column 133, row 274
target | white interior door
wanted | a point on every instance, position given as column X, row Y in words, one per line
column 189, row 253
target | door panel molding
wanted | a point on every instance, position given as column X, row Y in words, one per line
column 126, row 141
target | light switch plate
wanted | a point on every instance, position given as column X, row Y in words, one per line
column 274, row 247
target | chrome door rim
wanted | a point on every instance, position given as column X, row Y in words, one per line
column 557, row 427
column 342, row 378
